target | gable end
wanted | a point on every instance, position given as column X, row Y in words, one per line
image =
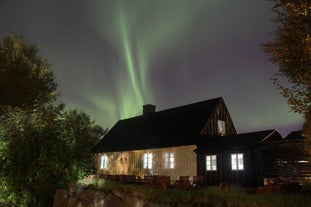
column 219, row 114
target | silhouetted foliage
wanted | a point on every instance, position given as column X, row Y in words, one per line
column 42, row 146
column 26, row 80
column 43, row 151
column 291, row 51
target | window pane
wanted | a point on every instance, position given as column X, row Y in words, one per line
column 149, row 161
column 172, row 160
column 145, row 161
column 240, row 161
column 208, row 158
column 214, row 162
column 101, row 162
column 104, row 162
column 208, row 162
column 234, row 162
column 166, row 160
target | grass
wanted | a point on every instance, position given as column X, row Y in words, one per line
column 212, row 195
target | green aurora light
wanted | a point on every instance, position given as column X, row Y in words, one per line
column 120, row 55
column 113, row 56
column 141, row 32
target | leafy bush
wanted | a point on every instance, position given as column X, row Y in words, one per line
column 43, row 151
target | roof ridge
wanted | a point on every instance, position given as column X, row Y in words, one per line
column 174, row 108
column 191, row 104
column 272, row 131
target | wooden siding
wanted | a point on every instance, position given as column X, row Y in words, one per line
column 131, row 162
column 285, row 161
column 224, row 172
column 273, row 162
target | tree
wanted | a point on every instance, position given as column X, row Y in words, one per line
column 43, row 151
column 291, row 51
column 26, row 80
column 42, row 146
column 83, row 134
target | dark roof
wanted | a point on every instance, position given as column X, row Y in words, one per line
column 294, row 135
column 180, row 126
column 238, row 141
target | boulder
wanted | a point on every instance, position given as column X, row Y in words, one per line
column 92, row 197
column 129, row 199
column 61, row 198
column 113, row 201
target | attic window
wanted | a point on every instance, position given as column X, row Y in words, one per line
column 104, row 162
column 147, row 161
column 221, row 127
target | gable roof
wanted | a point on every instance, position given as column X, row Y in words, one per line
column 180, row 126
column 294, row 135
column 238, row 141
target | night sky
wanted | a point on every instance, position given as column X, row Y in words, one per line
column 110, row 57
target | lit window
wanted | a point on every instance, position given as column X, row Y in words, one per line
column 104, row 162
column 237, row 161
column 211, row 162
column 147, row 160
column 221, row 127
column 169, row 160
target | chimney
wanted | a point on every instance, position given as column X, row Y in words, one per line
column 148, row 109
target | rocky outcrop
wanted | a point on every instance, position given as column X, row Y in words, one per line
column 79, row 196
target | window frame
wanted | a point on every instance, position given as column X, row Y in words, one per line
column 221, row 127
column 211, row 162
column 169, row 160
column 147, row 160
column 104, row 162
column 237, row 162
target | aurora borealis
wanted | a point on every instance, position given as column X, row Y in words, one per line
column 139, row 45
column 110, row 57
